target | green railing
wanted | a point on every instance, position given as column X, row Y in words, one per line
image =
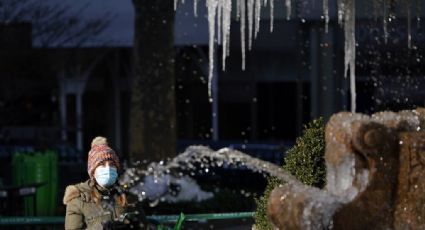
column 56, row 220
column 23, row 220
column 201, row 217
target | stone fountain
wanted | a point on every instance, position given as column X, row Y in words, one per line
column 375, row 177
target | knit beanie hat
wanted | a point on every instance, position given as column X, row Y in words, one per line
column 99, row 153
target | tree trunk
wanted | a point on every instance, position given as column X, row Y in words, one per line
column 152, row 115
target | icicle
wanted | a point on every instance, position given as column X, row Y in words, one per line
column 250, row 22
column 219, row 19
column 195, row 8
column 341, row 11
column 243, row 19
column 409, row 25
column 226, row 11
column 228, row 36
column 326, row 14
column 265, row 2
column 288, row 9
column 212, row 10
column 257, row 17
column 384, row 3
column 175, row 4
column 238, row 9
column 271, row 15
column 350, row 48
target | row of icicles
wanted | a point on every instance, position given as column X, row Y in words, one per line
column 249, row 12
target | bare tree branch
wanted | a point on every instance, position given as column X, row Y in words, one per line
column 54, row 25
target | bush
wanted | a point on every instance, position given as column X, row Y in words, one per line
column 305, row 161
column 260, row 215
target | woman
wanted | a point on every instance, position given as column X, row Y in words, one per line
column 92, row 203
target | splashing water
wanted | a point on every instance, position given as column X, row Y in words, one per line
column 154, row 181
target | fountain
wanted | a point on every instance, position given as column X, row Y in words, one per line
column 374, row 167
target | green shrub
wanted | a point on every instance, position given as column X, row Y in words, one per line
column 305, row 161
column 260, row 215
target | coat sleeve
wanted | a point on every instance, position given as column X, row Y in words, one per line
column 74, row 218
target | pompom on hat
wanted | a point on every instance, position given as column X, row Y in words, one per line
column 99, row 153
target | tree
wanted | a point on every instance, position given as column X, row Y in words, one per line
column 153, row 115
column 53, row 25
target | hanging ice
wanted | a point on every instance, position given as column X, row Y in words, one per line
column 257, row 17
column 219, row 20
column 195, row 8
column 288, row 9
column 242, row 20
column 271, row 14
column 226, row 14
column 350, row 47
column 238, row 9
column 220, row 11
column 212, row 10
column 175, row 4
column 326, row 14
column 341, row 11
column 250, row 22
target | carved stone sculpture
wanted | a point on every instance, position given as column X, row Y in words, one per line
column 375, row 177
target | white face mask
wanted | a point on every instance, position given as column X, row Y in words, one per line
column 105, row 175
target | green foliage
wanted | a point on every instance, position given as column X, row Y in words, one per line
column 260, row 216
column 305, row 161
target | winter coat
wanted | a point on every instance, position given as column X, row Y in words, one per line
column 85, row 211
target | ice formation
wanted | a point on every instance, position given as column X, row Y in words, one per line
column 347, row 17
column 219, row 19
column 220, row 13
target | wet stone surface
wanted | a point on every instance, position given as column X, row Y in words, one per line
column 374, row 169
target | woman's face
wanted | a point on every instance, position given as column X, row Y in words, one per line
column 106, row 174
column 107, row 164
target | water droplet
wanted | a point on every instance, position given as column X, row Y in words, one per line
column 154, row 203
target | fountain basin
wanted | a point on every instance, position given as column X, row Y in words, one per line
column 373, row 177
